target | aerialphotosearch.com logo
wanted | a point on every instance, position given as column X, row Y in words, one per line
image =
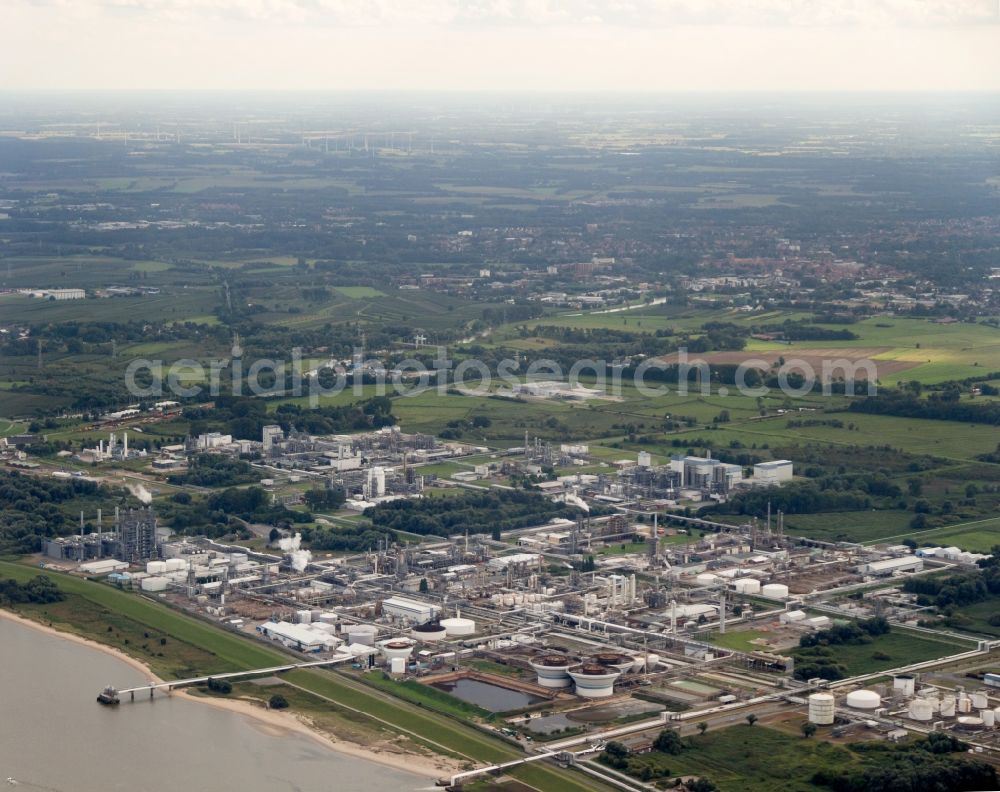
column 681, row 374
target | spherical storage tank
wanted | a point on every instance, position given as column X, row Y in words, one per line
column 821, row 709
column 775, row 591
column 921, row 710
column 594, row 680
column 864, row 699
column 458, row 626
column 552, row 670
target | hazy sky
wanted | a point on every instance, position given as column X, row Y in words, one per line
column 636, row 45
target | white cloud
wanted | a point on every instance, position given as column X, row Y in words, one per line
column 533, row 13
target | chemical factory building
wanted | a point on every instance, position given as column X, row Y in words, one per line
column 890, row 566
column 299, row 636
column 408, row 609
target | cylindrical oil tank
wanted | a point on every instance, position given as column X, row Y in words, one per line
column 431, row 631
column 706, row 579
column 948, row 706
column 821, row 709
column 904, row 684
column 329, row 618
column 989, row 718
column 864, row 699
column 397, row 665
column 921, row 709
column 747, row 586
column 594, row 680
column 964, row 704
column 969, row 723
column 156, row 567
column 775, row 591
column 304, row 617
column 458, row 626
column 553, row 670
column 397, row 647
column 980, row 700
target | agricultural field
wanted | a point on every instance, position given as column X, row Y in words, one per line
column 897, row 648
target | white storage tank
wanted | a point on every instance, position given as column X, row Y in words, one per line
column 706, row 579
column 397, row 665
column 864, row 699
column 458, row 626
column 980, row 699
column 948, row 703
column 154, row 584
column 821, row 709
column 969, row 723
column 304, row 617
column 328, row 618
column 156, row 567
column 775, row 591
column 921, row 709
column 747, row 586
column 904, row 684
column 553, row 670
column 989, row 718
column 594, row 680
column 964, row 704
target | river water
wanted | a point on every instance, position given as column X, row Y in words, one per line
column 54, row 737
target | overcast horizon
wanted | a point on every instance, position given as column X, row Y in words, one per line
column 554, row 46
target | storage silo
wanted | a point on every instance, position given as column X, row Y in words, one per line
column 775, row 591
column 821, row 709
column 904, row 684
column 921, row 709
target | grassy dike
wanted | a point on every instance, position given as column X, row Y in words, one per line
column 193, row 645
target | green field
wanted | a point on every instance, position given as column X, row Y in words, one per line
column 753, row 759
column 854, row 526
column 901, row 646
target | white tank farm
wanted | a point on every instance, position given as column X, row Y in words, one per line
column 747, row 586
column 921, row 709
column 775, row 591
column 553, row 670
column 156, row 567
column 863, row 700
column 821, row 709
column 458, row 626
column 594, row 680
column 989, row 718
column 904, row 684
column 397, row 648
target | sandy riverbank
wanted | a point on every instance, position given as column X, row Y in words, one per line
column 273, row 722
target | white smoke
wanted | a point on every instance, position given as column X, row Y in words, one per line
column 141, row 493
column 292, row 545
